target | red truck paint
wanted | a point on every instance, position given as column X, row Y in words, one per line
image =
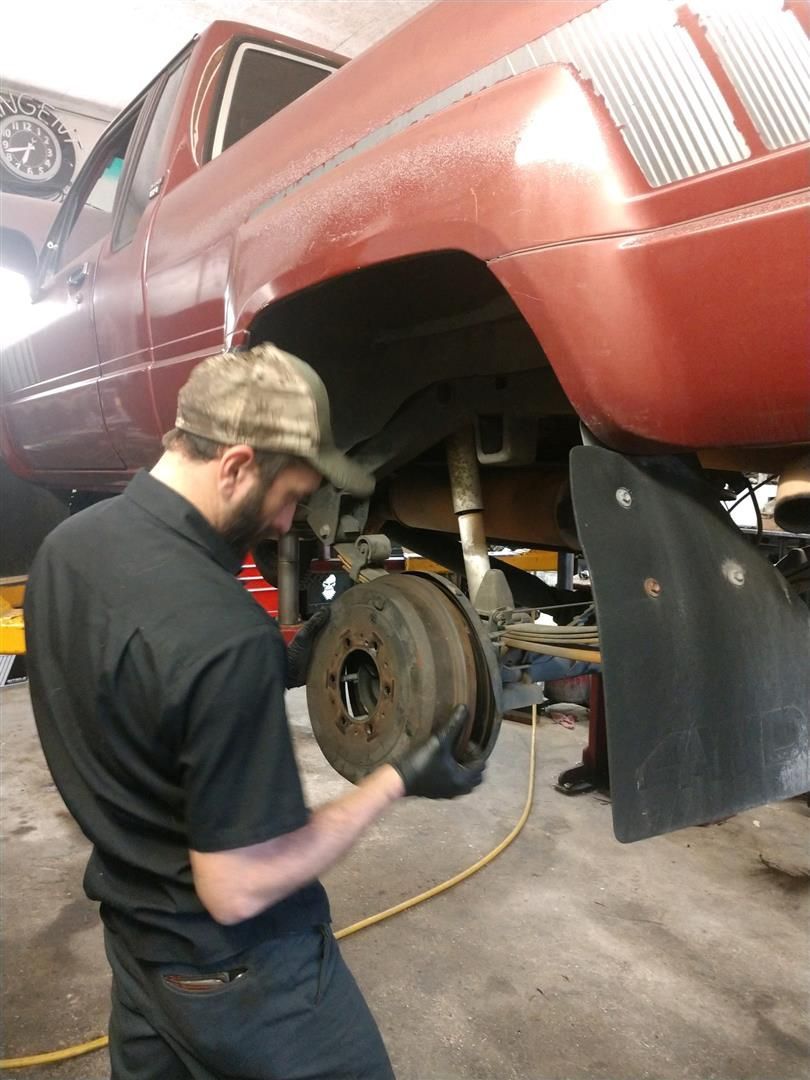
column 666, row 312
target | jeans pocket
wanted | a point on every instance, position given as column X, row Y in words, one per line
column 202, row 984
column 325, row 962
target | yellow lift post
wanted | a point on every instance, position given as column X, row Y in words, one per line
column 12, row 627
column 525, row 560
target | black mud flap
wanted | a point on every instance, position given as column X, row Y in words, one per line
column 706, row 650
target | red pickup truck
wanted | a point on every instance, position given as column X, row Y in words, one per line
column 550, row 260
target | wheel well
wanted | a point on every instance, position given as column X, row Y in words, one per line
column 380, row 336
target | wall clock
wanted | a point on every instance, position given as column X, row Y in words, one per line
column 37, row 154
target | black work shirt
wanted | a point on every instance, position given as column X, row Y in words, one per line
column 157, row 684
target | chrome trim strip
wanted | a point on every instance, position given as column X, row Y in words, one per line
column 766, row 55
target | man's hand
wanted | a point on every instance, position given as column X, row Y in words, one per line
column 432, row 770
column 299, row 652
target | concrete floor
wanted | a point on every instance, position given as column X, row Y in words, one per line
column 571, row 957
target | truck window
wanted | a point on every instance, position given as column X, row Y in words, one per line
column 260, row 83
column 146, row 174
column 89, row 209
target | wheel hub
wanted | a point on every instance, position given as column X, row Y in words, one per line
column 394, row 659
column 360, row 682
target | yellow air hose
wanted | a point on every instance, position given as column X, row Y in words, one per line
column 56, row 1055
column 102, row 1041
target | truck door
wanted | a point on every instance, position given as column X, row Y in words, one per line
column 191, row 248
column 55, row 412
column 119, row 294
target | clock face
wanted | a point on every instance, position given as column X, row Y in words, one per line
column 29, row 149
column 37, row 155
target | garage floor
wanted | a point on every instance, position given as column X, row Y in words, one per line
column 571, row 957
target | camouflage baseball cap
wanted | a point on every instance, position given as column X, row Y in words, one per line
column 270, row 400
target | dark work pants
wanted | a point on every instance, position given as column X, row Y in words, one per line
column 296, row 1014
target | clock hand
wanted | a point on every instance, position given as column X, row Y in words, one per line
column 28, row 150
column 20, row 150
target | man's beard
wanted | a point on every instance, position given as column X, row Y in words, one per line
column 244, row 530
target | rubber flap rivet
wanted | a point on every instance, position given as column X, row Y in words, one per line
column 734, row 573
column 652, row 587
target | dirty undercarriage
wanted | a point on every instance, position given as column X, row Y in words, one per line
column 703, row 642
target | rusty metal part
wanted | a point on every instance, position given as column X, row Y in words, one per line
column 365, row 559
column 529, row 505
column 474, row 550
column 569, row 642
column 493, row 594
column 468, row 506
column 589, row 656
column 386, row 671
column 288, row 580
column 375, row 548
column 487, row 721
column 791, row 510
column 465, row 478
column 747, row 459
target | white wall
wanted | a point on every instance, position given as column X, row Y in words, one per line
column 101, row 50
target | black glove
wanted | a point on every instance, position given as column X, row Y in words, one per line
column 432, row 770
column 299, row 651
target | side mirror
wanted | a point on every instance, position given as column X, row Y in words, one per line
column 17, row 254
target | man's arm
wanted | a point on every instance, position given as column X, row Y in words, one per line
column 237, row 884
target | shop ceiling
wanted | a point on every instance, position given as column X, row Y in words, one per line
column 102, row 53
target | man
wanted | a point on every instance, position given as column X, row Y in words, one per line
column 157, row 684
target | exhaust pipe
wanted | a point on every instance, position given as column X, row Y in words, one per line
column 791, row 510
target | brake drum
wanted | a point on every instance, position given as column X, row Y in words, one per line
column 395, row 657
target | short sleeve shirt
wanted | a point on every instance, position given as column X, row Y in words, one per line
column 158, row 690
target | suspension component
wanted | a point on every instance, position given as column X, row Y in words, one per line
column 288, row 580
column 468, row 505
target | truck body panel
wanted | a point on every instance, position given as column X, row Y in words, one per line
column 412, row 150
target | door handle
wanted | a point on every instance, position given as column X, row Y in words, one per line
column 77, row 277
